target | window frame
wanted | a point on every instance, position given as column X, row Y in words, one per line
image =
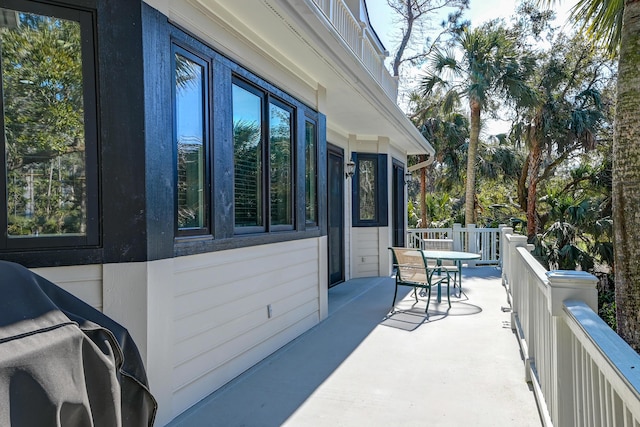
column 225, row 235
column 262, row 226
column 381, row 208
column 129, row 150
column 92, row 235
column 272, row 100
column 267, row 99
column 207, row 143
column 314, row 202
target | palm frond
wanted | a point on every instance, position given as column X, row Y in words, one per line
column 451, row 101
column 601, row 20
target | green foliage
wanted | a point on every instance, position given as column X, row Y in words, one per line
column 490, row 68
column 607, row 299
column 560, row 97
column 601, row 20
column 413, row 214
column 440, row 210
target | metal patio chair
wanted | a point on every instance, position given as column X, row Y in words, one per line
column 448, row 265
column 413, row 270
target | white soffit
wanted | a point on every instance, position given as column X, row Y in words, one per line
column 297, row 35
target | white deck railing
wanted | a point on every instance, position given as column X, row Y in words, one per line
column 582, row 372
column 483, row 241
column 361, row 41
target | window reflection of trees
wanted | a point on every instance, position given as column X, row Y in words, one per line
column 190, row 180
column 187, row 73
column 255, row 191
column 42, row 89
column 190, row 112
column 366, row 175
column 247, row 135
column 280, row 165
column 311, row 210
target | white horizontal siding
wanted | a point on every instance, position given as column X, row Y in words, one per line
column 215, row 313
column 220, row 314
column 214, row 379
column 366, row 250
column 83, row 281
column 202, row 320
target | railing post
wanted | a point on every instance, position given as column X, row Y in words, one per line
column 361, row 44
column 457, row 237
column 512, row 242
column 499, row 247
column 565, row 285
column 503, row 252
column 472, row 242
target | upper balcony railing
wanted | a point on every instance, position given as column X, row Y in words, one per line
column 362, row 42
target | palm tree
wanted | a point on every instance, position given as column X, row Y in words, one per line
column 565, row 117
column 601, row 21
column 608, row 20
column 489, row 68
column 448, row 132
column 626, row 176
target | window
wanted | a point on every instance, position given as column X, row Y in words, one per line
column 245, row 155
column 247, row 144
column 281, row 164
column 370, row 203
column 367, row 185
column 311, row 174
column 49, row 141
column 191, row 116
column 262, row 171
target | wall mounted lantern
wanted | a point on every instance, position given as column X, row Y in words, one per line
column 408, row 177
column 350, row 169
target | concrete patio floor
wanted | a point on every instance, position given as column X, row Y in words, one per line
column 365, row 366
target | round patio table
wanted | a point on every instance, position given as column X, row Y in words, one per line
column 454, row 256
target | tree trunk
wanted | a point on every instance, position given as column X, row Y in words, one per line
column 406, row 36
column 522, row 185
column 535, row 160
column 626, row 179
column 423, row 195
column 474, row 136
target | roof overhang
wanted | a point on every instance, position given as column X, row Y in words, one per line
column 298, row 36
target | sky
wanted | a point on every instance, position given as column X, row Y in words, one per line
column 480, row 11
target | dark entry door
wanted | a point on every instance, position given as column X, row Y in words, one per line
column 397, row 219
column 335, row 205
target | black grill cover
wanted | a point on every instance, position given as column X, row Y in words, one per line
column 64, row 363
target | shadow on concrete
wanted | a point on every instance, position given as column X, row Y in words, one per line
column 318, row 366
column 271, row 391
